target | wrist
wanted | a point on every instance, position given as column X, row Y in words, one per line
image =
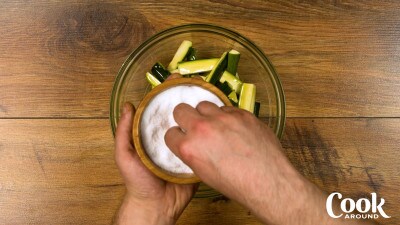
column 287, row 198
column 137, row 211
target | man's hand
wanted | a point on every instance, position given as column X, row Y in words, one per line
column 235, row 153
column 148, row 200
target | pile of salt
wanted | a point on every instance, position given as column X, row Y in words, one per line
column 158, row 117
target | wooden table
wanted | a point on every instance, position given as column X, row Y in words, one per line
column 338, row 62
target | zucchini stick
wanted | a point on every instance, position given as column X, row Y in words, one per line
column 233, row 60
column 191, row 55
column 256, row 109
column 197, row 66
column 152, row 80
column 233, row 98
column 232, row 80
column 224, row 87
column 160, row 72
column 216, row 73
column 180, row 54
column 247, row 97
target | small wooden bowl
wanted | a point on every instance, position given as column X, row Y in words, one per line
column 163, row 174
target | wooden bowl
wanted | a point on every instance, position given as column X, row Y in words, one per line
column 180, row 178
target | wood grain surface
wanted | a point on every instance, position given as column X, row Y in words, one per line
column 338, row 62
column 334, row 58
column 66, row 172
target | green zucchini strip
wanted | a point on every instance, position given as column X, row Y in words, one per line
column 152, row 80
column 160, row 72
column 197, row 66
column 224, row 87
column 256, row 108
column 216, row 73
column 247, row 97
column 191, row 55
column 180, row 54
column 232, row 80
column 233, row 61
column 233, row 98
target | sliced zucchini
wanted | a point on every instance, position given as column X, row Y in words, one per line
column 232, row 80
column 237, row 76
column 180, row 54
column 216, row 73
column 197, row 66
column 224, row 87
column 256, row 108
column 233, row 60
column 233, row 98
column 174, row 71
column 203, row 77
column 247, row 97
column 152, row 80
column 159, row 71
column 191, row 55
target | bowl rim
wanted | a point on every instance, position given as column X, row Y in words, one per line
column 137, row 120
column 278, row 89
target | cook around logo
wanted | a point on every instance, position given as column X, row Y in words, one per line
column 366, row 209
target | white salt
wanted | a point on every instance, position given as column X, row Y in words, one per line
column 157, row 118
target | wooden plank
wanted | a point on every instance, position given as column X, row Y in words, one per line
column 60, row 171
column 59, row 59
column 63, row 170
column 353, row 156
column 340, row 59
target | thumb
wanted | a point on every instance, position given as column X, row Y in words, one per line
column 123, row 137
column 176, row 141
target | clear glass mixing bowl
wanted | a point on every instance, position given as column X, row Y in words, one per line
column 210, row 41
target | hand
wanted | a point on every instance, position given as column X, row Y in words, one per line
column 148, row 200
column 235, row 153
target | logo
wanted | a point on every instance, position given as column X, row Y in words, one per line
column 366, row 209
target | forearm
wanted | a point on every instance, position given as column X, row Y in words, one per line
column 290, row 201
column 307, row 205
column 133, row 212
column 293, row 200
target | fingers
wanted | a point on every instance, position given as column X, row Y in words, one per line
column 207, row 108
column 123, row 135
column 230, row 109
column 184, row 115
column 173, row 139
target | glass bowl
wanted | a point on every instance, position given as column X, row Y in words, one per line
column 210, row 41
